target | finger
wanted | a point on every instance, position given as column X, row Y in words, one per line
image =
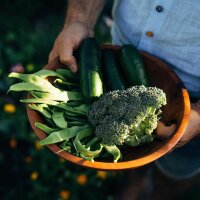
column 67, row 58
column 52, row 56
column 73, row 65
column 163, row 131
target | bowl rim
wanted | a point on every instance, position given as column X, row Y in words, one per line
column 131, row 164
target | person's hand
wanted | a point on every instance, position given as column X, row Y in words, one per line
column 192, row 130
column 67, row 41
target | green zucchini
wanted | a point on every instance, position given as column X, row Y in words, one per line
column 112, row 74
column 89, row 63
column 133, row 67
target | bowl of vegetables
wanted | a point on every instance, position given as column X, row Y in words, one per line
column 108, row 121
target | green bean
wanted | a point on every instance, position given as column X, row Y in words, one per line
column 21, row 87
column 80, row 148
column 68, row 74
column 79, row 110
column 39, row 83
column 58, row 119
column 42, row 108
column 76, row 123
column 61, row 135
column 66, row 146
column 45, row 128
column 60, row 81
column 75, row 103
column 40, row 100
column 71, row 118
column 47, row 73
column 114, row 151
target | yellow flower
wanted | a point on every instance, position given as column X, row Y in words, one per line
column 38, row 146
column 64, row 194
column 13, row 143
column 102, row 174
column 34, row 176
column 28, row 159
column 9, row 108
column 81, row 179
column 30, row 67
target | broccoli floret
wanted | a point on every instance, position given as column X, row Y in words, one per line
column 127, row 116
column 108, row 133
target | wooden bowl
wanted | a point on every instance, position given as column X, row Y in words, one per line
column 177, row 109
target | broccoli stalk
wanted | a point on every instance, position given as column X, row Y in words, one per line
column 127, row 116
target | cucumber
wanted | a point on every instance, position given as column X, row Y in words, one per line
column 112, row 74
column 90, row 70
column 133, row 67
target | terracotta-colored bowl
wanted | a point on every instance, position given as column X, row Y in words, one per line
column 177, row 109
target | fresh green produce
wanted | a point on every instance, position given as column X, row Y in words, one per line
column 112, row 74
column 90, row 70
column 127, row 116
column 133, row 67
column 64, row 113
column 80, row 118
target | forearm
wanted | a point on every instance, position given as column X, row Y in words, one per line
column 84, row 11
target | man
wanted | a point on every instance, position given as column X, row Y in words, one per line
column 167, row 29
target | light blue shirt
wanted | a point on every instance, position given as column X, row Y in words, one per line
column 176, row 33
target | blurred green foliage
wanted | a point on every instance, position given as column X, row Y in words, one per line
column 29, row 171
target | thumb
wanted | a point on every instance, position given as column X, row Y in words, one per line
column 163, row 131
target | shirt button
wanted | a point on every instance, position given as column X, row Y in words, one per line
column 159, row 8
column 149, row 34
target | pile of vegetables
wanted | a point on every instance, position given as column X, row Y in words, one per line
column 91, row 114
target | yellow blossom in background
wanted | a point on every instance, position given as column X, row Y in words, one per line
column 9, row 108
column 64, row 194
column 102, row 174
column 30, row 67
column 28, row 159
column 13, row 143
column 38, row 146
column 81, row 179
column 34, row 176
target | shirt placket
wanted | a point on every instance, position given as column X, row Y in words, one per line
column 159, row 12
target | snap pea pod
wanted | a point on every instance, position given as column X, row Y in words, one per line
column 76, row 123
column 60, row 81
column 67, row 146
column 68, row 74
column 71, row 118
column 61, row 135
column 45, row 128
column 41, row 108
column 21, row 87
column 44, row 73
column 81, row 149
column 40, row 100
column 43, row 84
column 79, row 110
column 75, row 103
column 58, row 119
column 114, row 151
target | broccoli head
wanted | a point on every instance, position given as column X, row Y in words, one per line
column 127, row 116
